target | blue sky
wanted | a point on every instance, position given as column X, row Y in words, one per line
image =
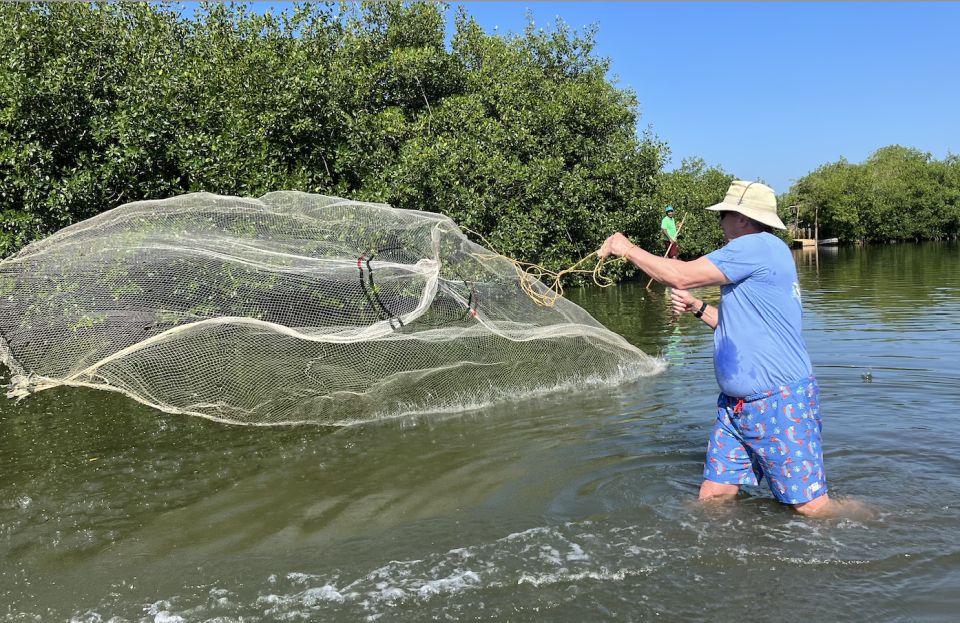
column 774, row 90
column 771, row 90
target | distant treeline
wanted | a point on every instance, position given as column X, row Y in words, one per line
column 898, row 193
column 521, row 138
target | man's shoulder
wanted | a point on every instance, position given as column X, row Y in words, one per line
column 750, row 250
column 775, row 245
column 766, row 251
column 760, row 241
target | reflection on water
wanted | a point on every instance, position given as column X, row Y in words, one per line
column 573, row 507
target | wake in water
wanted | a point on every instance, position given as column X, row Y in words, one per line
column 560, row 572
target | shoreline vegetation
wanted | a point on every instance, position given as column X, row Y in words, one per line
column 896, row 194
column 521, row 138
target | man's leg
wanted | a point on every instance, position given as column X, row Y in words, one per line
column 823, row 506
column 817, row 507
column 788, row 442
column 710, row 489
column 728, row 464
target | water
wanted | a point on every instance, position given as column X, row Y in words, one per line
column 576, row 507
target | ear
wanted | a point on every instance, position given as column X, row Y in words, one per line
column 747, row 223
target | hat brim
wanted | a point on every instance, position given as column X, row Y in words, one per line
column 760, row 216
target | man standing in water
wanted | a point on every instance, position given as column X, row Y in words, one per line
column 768, row 420
column 669, row 228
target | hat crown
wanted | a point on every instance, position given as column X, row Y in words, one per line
column 753, row 200
column 752, row 195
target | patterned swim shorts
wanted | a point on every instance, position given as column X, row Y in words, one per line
column 774, row 434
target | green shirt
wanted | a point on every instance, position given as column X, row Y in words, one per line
column 670, row 225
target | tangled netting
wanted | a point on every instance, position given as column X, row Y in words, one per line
column 291, row 308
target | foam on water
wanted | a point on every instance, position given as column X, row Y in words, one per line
column 562, row 560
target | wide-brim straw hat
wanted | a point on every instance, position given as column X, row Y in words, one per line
column 753, row 200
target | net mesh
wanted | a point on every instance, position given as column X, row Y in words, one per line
column 290, row 308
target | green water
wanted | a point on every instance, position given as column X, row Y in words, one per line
column 578, row 507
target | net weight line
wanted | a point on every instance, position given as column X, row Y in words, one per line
column 373, row 297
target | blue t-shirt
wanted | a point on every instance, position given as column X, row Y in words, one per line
column 757, row 343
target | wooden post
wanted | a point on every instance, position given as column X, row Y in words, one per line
column 816, row 224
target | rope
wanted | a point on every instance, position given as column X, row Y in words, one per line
column 531, row 274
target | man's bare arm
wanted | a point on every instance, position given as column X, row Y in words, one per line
column 674, row 273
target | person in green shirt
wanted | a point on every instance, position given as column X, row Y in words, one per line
column 669, row 228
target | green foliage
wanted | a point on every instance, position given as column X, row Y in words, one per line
column 689, row 189
column 898, row 193
column 519, row 138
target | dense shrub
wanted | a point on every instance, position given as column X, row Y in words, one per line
column 898, row 193
column 521, row 138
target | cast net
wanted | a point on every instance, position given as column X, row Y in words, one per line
column 291, row 308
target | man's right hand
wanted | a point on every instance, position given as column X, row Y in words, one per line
column 617, row 244
column 683, row 301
